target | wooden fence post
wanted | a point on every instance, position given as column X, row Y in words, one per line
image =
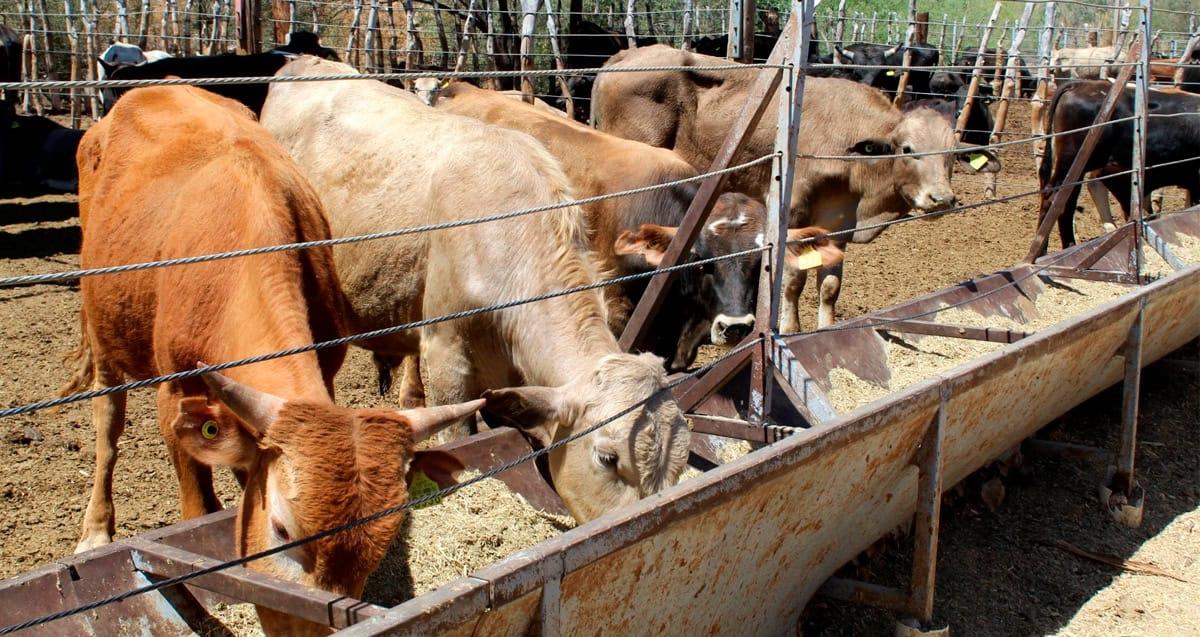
column 552, row 29
column 688, row 26
column 374, row 45
column 906, row 62
column 73, row 39
column 976, row 73
column 839, row 28
column 352, row 48
column 1012, row 78
column 1038, row 105
column 528, row 21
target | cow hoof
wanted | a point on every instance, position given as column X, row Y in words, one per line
column 94, row 541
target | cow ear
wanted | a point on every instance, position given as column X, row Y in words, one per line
column 979, row 160
column 535, row 411
column 820, row 252
column 439, row 466
column 108, row 68
column 650, row 241
column 210, row 439
column 871, row 147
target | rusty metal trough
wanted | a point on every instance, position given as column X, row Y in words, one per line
column 742, row 548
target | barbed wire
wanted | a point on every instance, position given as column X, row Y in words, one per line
column 52, row 277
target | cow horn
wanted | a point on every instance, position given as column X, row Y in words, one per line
column 426, row 421
column 841, row 57
column 892, row 51
column 256, row 408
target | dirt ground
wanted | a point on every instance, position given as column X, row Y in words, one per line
column 999, row 573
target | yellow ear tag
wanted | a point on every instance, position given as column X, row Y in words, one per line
column 808, row 258
column 422, row 486
column 446, row 84
column 209, row 429
column 891, row 73
column 978, row 160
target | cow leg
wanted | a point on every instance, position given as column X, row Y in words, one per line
column 449, row 375
column 108, row 417
column 1099, row 196
column 831, row 287
column 196, row 495
column 1066, row 221
column 412, row 389
column 789, row 301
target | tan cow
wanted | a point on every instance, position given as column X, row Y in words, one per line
column 596, row 163
column 692, row 112
column 1085, row 63
column 381, row 159
column 179, row 171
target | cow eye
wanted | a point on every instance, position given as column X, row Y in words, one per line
column 907, row 150
column 606, row 459
column 280, row 530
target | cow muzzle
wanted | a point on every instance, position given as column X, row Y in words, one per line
column 935, row 201
column 727, row 330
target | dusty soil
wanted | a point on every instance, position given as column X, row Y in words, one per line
column 995, row 578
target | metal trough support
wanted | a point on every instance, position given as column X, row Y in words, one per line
column 915, row 605
column 1121, row 494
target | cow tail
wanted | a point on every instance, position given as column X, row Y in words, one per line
column 81, row 359
column 1047, row 167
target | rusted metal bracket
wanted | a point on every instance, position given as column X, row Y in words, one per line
column 1120, row 493
column 1107, row 276
column 949, row 330
column 1058, row 203
column 808, row 398
column 314, row 605
column 917, row 600
column 1160, row 246
column 739, row 429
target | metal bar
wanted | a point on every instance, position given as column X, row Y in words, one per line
column 1058, row 203
column 1156, row 241
column 1085, row 453
column 689, row 228
column 865, row 594
column 929, row 514
column 779, row 205
column 1126, row 455
column 688, row 395
column 727, row 427
column 1104, row 247
column 794, row 397
column 1140, row 92
column 949, row 330
column 1091, row 275
column 812, row 399
column 311, row 604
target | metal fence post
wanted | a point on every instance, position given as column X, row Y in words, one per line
column 779, row 199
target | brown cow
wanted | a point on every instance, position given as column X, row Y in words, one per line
column 692, row 111
column 596, row 163
column 382, row 159
column 178, row 171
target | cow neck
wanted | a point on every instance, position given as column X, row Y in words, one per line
column 553, row 343
column 271, row 313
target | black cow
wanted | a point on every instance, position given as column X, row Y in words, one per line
column 10, row 59
column 861, row 61
column 37, row 155
column 947, row 82
column 1168, row 139
column 254, row 65
column 715, row 303
column 979, row 124
column 587, row 46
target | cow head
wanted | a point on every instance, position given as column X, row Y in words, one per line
column 636, row 455
column 864, row 60
column 428, row 89
column 311, row 466
column 923, row 180
column 725, row 291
